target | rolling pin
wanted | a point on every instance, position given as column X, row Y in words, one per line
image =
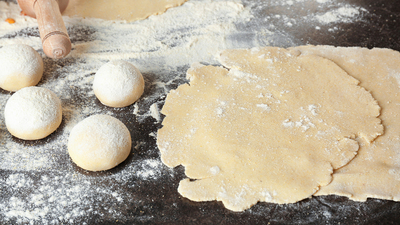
column 54, row 36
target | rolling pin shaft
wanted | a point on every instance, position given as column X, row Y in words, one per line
column 55, row 39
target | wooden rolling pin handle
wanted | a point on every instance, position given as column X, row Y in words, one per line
column 55, row 39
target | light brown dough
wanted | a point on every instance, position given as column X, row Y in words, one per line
column 271, row 128
column 33, row 113
column 375, row 171
column 129, row 10
column 118, row 84
column 99, row 142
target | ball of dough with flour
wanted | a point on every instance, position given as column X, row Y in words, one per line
column 21, row 66
column 99, row 142
column 118, row 84
column 33, row 113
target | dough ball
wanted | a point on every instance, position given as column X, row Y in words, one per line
column 21, row 66
column 118, row 84
column 99, row 142
column 33, row 113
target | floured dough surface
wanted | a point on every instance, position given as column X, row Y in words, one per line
column 118, row 84
column 270, row 128
column 21, row 66
column 33, row 113
column 129, row 10
column 375, row 171
column 99, row 142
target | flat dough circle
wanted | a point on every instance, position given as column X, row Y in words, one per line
column 21, row 66
column 271, row 128
column 129, row 10
column 375, row 171
column 99, row 142
column 33, row 113
column 118, row 84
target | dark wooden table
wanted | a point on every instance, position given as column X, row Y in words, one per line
column 156, row 201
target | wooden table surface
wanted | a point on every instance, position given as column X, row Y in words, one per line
column 156, row 200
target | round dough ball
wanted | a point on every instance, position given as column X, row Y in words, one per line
column 33, row 113
column 21, row 66
column 118, row 84
column 99, row 142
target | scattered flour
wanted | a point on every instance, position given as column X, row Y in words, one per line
column 313, row 109
column 303, row 14
column 304, row 122
column 155, row 113
column 215, row 170
column 264, row 107
column 150, row 169
column 40, row 184
column 287, row 123
column 343, row 14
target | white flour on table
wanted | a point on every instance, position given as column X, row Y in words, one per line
column 41, row 187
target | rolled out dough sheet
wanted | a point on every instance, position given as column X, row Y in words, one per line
column 375, row 171
column 129, row 10
column 271, row 127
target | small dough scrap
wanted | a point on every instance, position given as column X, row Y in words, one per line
column 118, row 84
column 375, row 171
column 270, row 128
column 21, row 66
column 33, row 113
column 129, row 10
column 99, row 142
